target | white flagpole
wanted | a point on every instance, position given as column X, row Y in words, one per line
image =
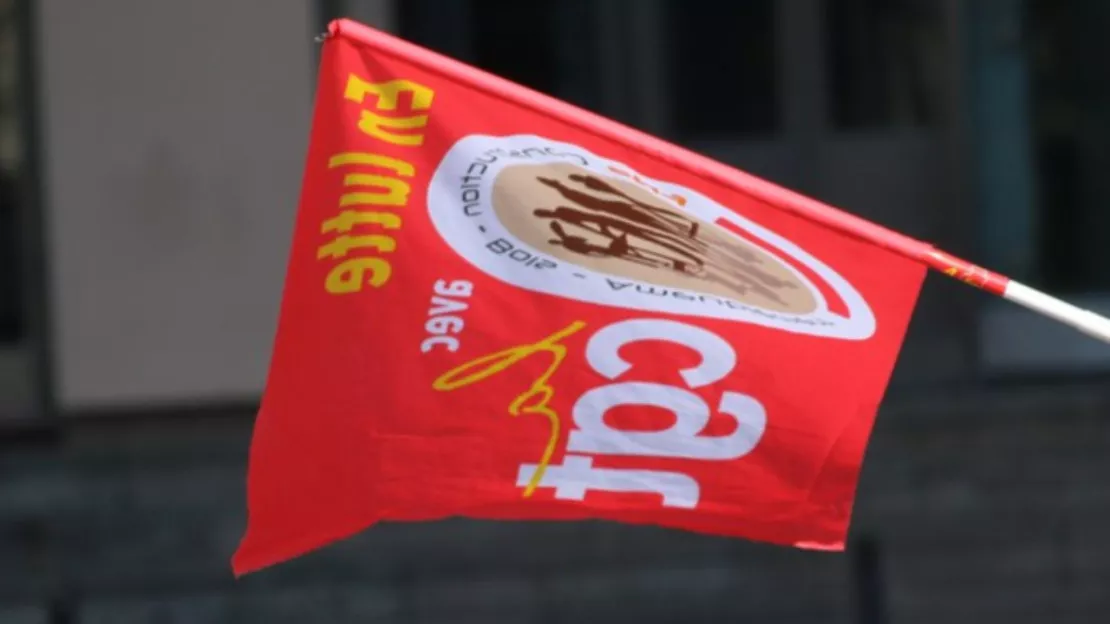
column 1090, row 323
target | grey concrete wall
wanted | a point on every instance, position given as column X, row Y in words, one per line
column 174, row 139
column 984, row 509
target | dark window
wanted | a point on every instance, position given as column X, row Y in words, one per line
column 11, row 149
column 440, row 26
column 885, row 59
column 516, row 41
column 1069, row 44
column 722, row 68
column 547, row 45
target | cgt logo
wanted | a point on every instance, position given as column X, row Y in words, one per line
column 593, row 436
column 554, row 218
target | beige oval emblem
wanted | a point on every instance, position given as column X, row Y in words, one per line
column 554, row 218
column 610, row 225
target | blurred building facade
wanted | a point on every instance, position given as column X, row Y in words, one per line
column 150, row 160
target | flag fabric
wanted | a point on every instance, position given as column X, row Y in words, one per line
column 499, row 306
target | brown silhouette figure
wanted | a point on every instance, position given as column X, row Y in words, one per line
column 618, row 247
column 630, row 209
column 598, row 219
column 613, row 228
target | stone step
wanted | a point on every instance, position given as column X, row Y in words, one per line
column 127, row 553
column 23, row 615
column 1087, row 603
column 645, row 596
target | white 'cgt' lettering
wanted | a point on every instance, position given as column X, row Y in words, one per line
column 683, row 439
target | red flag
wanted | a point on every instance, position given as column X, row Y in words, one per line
column 500, row 306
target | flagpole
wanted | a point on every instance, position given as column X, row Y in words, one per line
column 784, row 199
column 1086, row 321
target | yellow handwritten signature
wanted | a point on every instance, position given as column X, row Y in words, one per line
column 534, row 400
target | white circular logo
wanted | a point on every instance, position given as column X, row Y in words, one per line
column 554, row 218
